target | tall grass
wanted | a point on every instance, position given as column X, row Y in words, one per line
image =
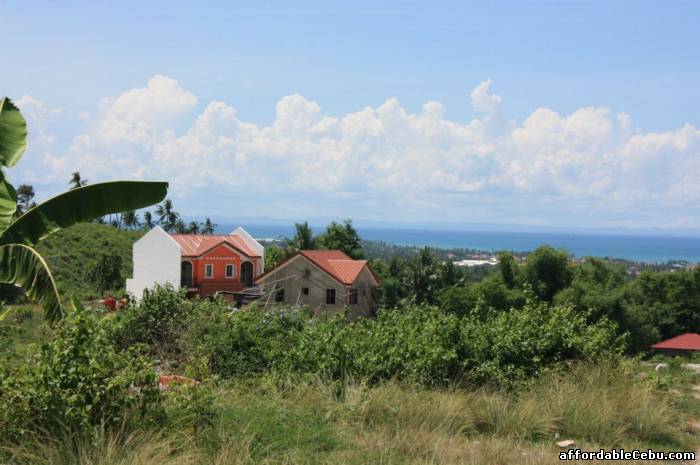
column 287, row 421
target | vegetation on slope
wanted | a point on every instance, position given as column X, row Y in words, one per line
column 74, row 252
column 80, row 398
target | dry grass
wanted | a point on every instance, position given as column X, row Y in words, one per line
column 319, row 423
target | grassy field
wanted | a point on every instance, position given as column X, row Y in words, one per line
column 318, row 423
column 72, row 251
column 272, row 420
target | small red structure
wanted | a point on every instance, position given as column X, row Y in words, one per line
column 165, row 381
column 113, row 304
column 684, row 342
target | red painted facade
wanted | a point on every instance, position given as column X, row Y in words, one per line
column 218, row 258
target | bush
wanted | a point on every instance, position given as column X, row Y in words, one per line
column 156, row 321
column 524, row 343
column 79, row 381
column 419, row 345
column 244, row 343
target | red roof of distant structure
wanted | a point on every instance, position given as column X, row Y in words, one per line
column 334, row 262
column 687, row 341
column 196, row 245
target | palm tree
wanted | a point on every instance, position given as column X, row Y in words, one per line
column 76, row 180
column 193, row 228
column 131, row 219
column 167, row 216
column 303, row 238
column 25, row 194
column 148, row 220
column 208, row 227
column 20, row 263
column 179, row 226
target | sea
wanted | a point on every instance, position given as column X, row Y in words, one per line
column 641, row 248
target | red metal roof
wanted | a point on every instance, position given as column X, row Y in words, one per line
column 687, row 341
column 195, row 245
column 334, row 262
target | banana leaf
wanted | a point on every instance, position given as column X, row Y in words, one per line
column 81, row 205
column 8, row 202
column 13, row 133
column 24, row 267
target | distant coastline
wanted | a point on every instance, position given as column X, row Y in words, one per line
column 637, row 248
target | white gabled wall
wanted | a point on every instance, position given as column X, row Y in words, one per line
column 156, row 261
column 253, row 244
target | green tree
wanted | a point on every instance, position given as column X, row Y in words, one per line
column 423, row 280
column 273, row 256
column 148, row 221
column 105, row 272
column 20, row 263
column 179, row 227
column 548, row 271
column 131, row 219
column 193, row 228
column 76, row 181
column 208, row 227
column 342, row 237
column 303, row 238
column 167, row 216
column 449, row 274
column 508, row 268
column 25, row 196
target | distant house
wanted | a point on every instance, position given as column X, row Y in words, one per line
column 688, row 342
column 327, row 281
column 204, row 264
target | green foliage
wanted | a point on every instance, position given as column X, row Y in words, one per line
column 473, row 298
column 342, row 237
column 417, row 345
column 190, row 406
column 303, row 238
column 20, row 264
column 156, row 322
column 521, row 344
column 548, row 271
column 79, row 381
column 70, row 251
column 105, row 272
column 273, row 256
column 508, row 268
column 244, row 343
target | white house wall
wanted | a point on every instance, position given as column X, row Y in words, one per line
column 157, row 260
column 253, row 244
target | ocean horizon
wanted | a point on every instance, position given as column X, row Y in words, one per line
column 641, row 248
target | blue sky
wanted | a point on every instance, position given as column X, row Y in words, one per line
column 549, row 113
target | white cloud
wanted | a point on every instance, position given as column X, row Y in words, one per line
column 387, row 151
column 482, row 100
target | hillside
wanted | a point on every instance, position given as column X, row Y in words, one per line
column 72, row 252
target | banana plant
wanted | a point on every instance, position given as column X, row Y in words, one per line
column 20, row 263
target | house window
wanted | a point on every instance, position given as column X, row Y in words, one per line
column 330, row 296
column 209, row 270
column 229, row 270
column 353, row 297
column 279, row 295
column 305, row 290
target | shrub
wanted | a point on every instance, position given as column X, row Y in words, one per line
column 522, row 344
column 419, row 345
column 156, row 321
column 247, row 342
column 79, row 381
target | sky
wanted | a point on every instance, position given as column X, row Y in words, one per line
column 550, row 113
